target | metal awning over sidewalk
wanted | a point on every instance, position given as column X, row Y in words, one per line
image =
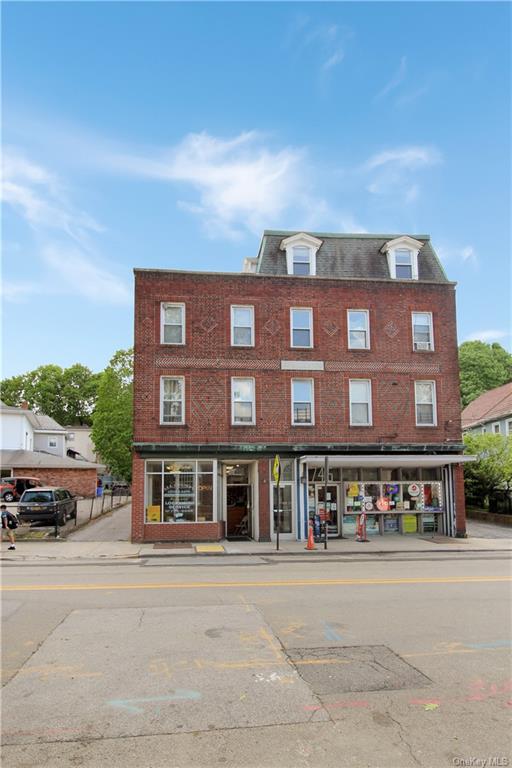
column 379, row 460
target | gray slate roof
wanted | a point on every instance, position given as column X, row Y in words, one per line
column 348, row 256
column 40, row 460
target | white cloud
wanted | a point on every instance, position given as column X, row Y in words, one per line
column 79, row 275
column 466, row 254
column 38, row 197
column 393, row 171
column 409, row 158
column 396, row 79
column 325, row 43
column 240, row 183
column 488, row 335
column 334, row 59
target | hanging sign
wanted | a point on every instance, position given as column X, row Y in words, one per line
column 276, row 469
column 413, row 489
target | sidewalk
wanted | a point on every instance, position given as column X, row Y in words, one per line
column 379, row 545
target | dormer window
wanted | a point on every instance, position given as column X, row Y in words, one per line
column 301, row 252
column 301, row 260
column 402, row 253
column 403, row 264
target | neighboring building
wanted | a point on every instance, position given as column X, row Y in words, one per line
column 35, row 445
column 337, row 346
column 79, row 444
column 491, row 412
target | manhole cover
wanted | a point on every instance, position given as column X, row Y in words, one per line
column 357, row 668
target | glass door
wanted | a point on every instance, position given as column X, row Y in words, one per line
column 328, row 511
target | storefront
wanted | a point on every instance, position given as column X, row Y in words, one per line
column 409, row 494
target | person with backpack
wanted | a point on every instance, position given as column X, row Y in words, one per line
column 9, row 524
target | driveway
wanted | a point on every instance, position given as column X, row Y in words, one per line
column 110, row 527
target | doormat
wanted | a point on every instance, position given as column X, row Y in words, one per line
column 355, row 668
column 173, row 545
column 208, row 548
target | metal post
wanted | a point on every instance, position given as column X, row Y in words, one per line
column 326, row 476
column 56, row 521
column 278, row 529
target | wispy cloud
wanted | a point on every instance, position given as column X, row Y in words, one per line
column 63, row 232
column 325, row 42
column 393, row 171
column 487, row 335
column 465, row 254
column 239, row 183
column 396, row 79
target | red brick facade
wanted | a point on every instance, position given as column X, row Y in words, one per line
column 207, row 361
column 81, row 482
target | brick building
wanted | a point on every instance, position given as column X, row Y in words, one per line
column 337, row 346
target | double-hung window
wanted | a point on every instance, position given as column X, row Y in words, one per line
column 358, row 329
column 425, row 400
column 172, row 400
column 301, row 327
column 242, row 326
column 303, row 404
column 360, row 394
column 242, row 401
column 403, row 264
column 422, row 335
column 301, row 260
column 172, row 323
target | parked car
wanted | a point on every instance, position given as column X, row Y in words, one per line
column 41, row 505
column 120, row 488
column 11, row 488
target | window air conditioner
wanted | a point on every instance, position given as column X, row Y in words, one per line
column 418, row 345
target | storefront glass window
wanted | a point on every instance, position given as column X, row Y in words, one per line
column 179, row 491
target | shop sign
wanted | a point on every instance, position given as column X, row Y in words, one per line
column 383, row 504
column 413, row 489
column 368, row 505
column 410, row 523
column 276, row 469
column 353, row 489
column 153, row 514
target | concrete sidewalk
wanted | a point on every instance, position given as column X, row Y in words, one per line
column 407, row 545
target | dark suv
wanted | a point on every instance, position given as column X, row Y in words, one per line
column 41, row 505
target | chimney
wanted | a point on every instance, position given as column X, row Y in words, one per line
column 24, row 405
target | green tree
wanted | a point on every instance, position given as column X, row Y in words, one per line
column 67, row 395
column 112, row 426
column 482, row 367
column 492, row 469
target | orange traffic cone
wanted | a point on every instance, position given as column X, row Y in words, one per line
column 311, row 542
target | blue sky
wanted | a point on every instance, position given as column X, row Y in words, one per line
column 171, row 134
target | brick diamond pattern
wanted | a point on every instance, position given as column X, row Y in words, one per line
column 331, row 328
column 208, row 398
column 391, row 329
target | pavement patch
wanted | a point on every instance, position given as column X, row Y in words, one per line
column 355, row 668
column 132, row 672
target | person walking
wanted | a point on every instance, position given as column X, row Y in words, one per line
column 9, row 524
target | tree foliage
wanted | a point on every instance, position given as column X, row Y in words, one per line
column 482, row 367
column 112, row 428
column 493, row 468
column 68, row 395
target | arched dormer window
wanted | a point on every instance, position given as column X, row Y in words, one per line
column 301, row 252
column 402, row 254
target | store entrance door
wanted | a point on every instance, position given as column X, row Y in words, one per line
column 331, row 509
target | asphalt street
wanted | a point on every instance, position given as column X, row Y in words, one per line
column 249, row 662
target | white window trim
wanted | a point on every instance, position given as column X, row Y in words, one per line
column 172, row 423
column 163, row 305
column 241, row 306
column 496, row 424
column 370, row 398
column 431, row 328
column 508, row 427
column 367, row 313
column 398, row 244
column 434, row 402
column 302, row 423
column 243, row 423
column 301, row 309
column 308, row 241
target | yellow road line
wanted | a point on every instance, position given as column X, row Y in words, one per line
column 241, row 584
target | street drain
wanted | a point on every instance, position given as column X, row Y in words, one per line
column 355, row 668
